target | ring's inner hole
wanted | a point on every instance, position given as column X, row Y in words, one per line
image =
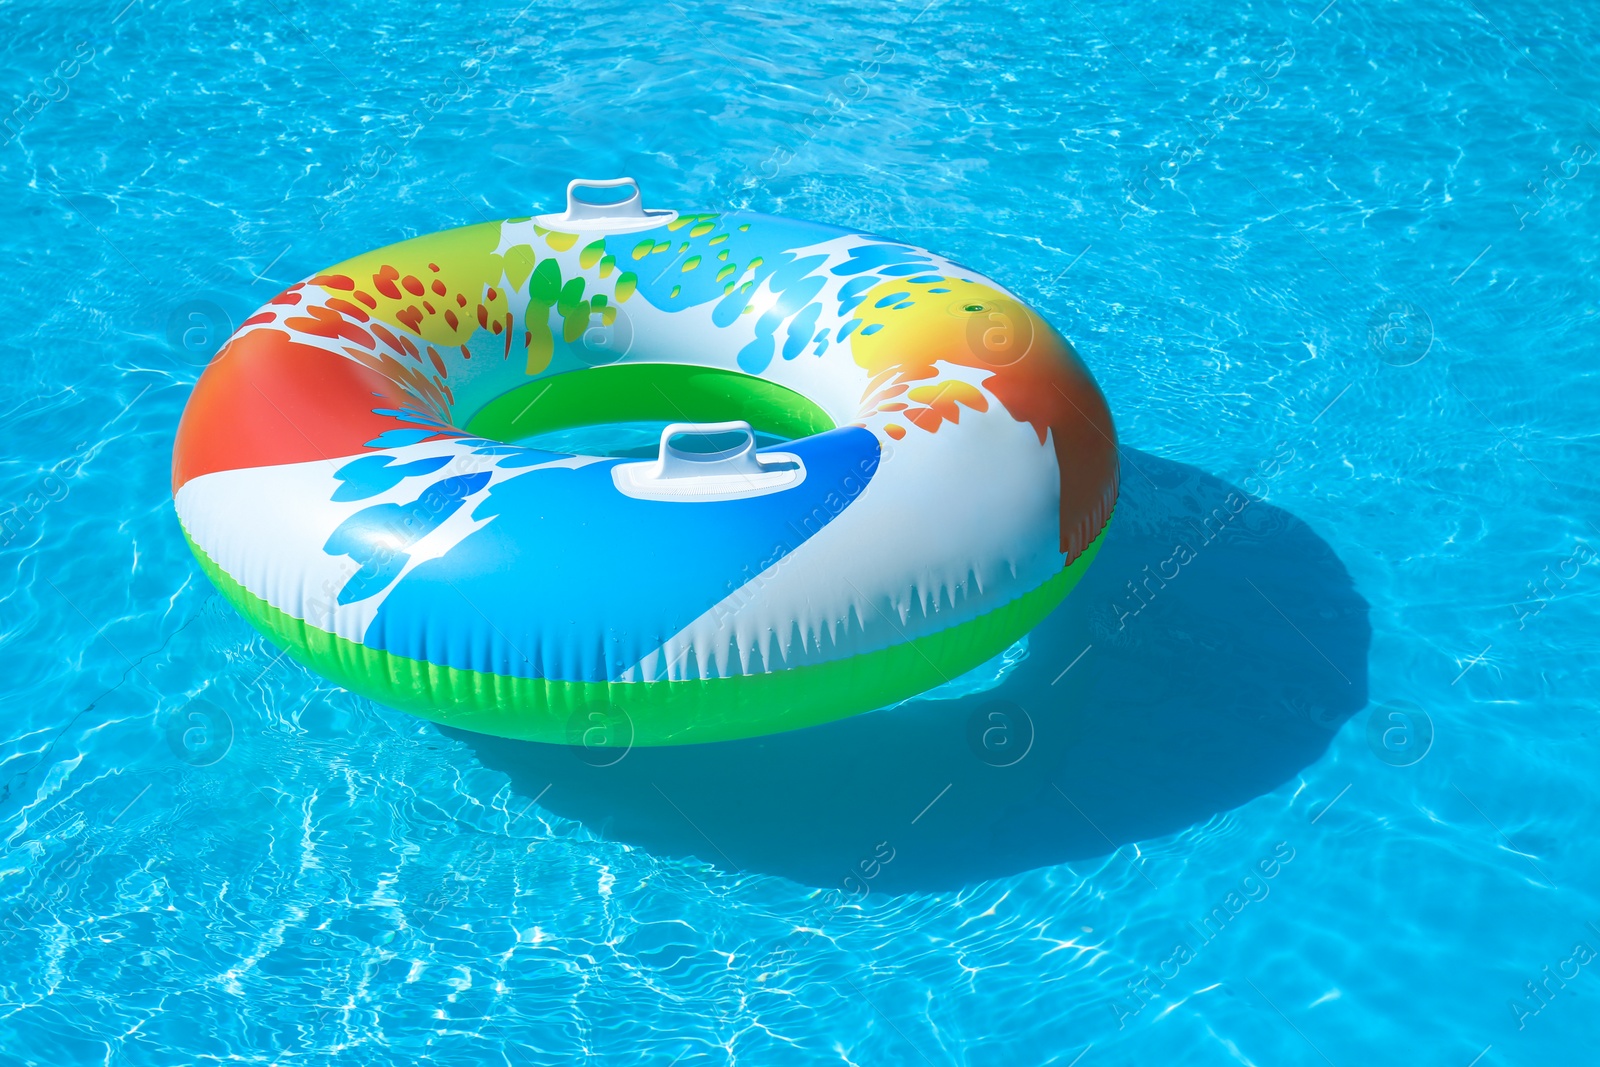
column 620, row 410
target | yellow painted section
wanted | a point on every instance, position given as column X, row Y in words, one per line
column 468, row 267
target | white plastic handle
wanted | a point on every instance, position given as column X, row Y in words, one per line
column 619, row 217
column 732, row 473
column 631, row 208
column 674, row 462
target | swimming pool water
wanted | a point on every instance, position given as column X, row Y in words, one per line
column 1303, row 772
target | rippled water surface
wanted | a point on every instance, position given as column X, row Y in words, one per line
column 1320, row 789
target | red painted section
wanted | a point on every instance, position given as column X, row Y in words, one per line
column 267, row 400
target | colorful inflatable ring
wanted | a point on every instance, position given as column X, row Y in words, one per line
column 349, row 473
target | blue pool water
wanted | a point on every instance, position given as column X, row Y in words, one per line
column 1322, row 790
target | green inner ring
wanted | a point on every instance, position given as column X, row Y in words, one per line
column 644, row 392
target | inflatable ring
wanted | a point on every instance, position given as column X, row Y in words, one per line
column 878, row 469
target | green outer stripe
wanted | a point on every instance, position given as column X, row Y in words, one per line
column 662, row 713
column 628, row 392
